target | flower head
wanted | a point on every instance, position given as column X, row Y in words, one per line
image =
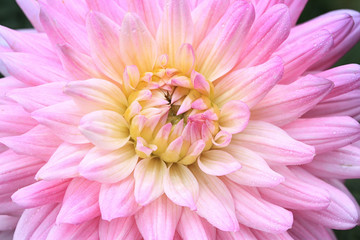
column 178, row 119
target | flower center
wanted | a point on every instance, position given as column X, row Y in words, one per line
column 170, row 113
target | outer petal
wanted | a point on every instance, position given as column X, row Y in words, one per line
column 149, row 174
column 17, row 171
column 249, row 85
column 325, row 134
column 218, row 163
column 295, row 7
column 262, row 215
column 285, row 103
column 266, row 35
column 32, row 69
column 303, row 53
column 243, row 234
column 31, row 9
column 191, row 226
column 219, row 52
column 40, row 193
column 341, row 213
column 342, row 163
column 88, row 230
column 118, row 200
column 64, row 162
column 111, row 9
column 149, row 12
column 205, row 16
column 344, row 105
column 119, row 229
column 294, row 193
column 108, row 166
column 104, row 44
column 177, row 17
column 35, row 223
column 44, row 146
column 34, row 98
column 159, row 219
column 80, row 202
column 106, row 129
column 213, row 194
column 14, row 120
column 274, row 144
column 181, row 186
column 63, row 119
column 254, row 171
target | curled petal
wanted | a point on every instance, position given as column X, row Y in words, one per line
column 234, row 117
column 105, row 129
column 218, row 163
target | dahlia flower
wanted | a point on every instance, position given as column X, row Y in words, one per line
column 178, row 119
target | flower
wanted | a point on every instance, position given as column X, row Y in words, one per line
column 178, row 119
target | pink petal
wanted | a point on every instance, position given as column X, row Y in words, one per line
column 8, row 223
column 266, row 35
column 32, row 69
column 249, row 85
column 262, row 215
column 234, row 116
column 244, row 233
column 191, row 226
column 61, row 29
column 185, row 59
column 88, row 230
column 80, row 202
column 176, row 16
column 339, row 24
column 254, row 169
column 271, row 236
column 341, row 213
column 105, row 129
column 295, row 8
column 14, row 120
column 159, row 219
column 218, row 163
column 120, row 228
column 28, row 42
column 262, row 6
column 347, row 104
column 205, row 16
column 148, row 11
column 325, row 134
column 305, row 229
column 31, row 9
column 344, row 46
column 303, row 53
column 17, row 171
column 181, row 186
column 34, row 98
column 110, row 9
column 117, row 199
column 44, row 146
column 77, row 65
column 104, row 44
column 213, row 194
column 64, row 162
column 35, row 223
column 149, row 174
column 74, row 11
column 220, row 50
column 345, row 78
column 97, row 94
column 294, row 193
column 63, row 119
column 109, row 166
column 285, row 103
column 274, row 144
column 40, row 193
column 137, row 44
column 342, row 163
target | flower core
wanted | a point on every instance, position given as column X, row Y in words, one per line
column 170, row 113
